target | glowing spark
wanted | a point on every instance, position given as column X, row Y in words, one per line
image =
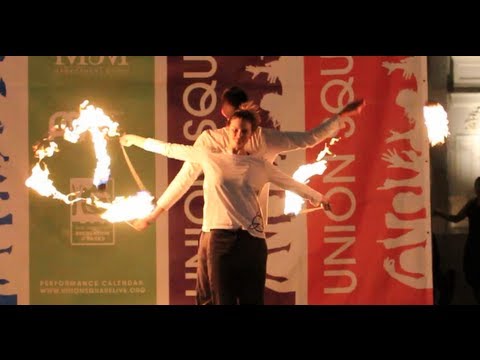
column 436, row 122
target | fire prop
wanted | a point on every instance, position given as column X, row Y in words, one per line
column 436, row 122
column 100, row 127
column 293, row 202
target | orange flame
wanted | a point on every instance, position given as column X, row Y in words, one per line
column 127, row 208
column 99, row 125
column 293, row 202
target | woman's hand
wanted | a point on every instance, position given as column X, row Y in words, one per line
column 127, row 140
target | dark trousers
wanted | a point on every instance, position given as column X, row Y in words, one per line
column 232, row 267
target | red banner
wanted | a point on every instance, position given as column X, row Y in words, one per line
column 375, row 246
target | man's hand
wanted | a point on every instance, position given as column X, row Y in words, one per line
column 353, row 108
column 326, row 205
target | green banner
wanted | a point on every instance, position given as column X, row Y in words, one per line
column 75, row 256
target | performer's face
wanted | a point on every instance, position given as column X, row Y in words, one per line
column 239, row 132
column 227, row 110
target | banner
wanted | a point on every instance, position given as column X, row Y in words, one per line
column 375, row 246
column 14, row 218
column 75, row 256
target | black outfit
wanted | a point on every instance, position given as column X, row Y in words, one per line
column 231, row 268
column 471, row 255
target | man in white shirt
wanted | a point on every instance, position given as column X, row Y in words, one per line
column 234, row 255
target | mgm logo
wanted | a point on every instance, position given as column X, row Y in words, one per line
column 86, row 65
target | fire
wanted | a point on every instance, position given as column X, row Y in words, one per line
column 47, row 151
column 100, row 126
column 127, row 208
column 40, row 182
column 437, row 123
column 293, row 202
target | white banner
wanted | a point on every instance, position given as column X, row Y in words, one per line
column 14, row 219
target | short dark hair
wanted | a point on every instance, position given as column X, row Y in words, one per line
column 235, row 96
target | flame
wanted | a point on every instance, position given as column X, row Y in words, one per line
column 436, row 121
column 40, row 182
column 293, row 202
column 47, row 151
column 99, row 125
column 127, row 208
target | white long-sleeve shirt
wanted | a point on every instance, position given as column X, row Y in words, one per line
column 232, row 184
column 266, row 143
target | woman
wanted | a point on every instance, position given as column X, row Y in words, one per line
column 264, row 142
column 471, row 255
column 232, row 261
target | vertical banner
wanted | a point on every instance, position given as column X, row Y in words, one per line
column 375, row 246
column 194, row 89
column 75, row 256
column 14, row 219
